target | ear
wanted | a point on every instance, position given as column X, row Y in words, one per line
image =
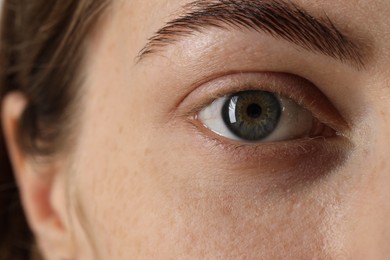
column 42, row 187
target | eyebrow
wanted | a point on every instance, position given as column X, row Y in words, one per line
column 280, row 19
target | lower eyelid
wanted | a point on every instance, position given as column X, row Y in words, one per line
column 309, row 157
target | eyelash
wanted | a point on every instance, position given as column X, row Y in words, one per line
column 301, row 91
column 249, row 155
column 273, row 157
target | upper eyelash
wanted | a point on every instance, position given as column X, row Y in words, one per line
column 299, row 94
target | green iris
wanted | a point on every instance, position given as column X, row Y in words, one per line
column 252, row 115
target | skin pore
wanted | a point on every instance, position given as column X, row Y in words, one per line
column 147, row 179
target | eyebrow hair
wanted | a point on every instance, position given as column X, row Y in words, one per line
column 278, row 18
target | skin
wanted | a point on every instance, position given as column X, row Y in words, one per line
column 145, row 180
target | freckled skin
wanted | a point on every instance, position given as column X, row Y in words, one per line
column 149, row 190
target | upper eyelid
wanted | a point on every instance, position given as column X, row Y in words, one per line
column 300, row 90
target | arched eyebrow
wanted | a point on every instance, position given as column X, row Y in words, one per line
column 278, row 18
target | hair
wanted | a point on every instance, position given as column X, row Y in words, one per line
column 42, row 45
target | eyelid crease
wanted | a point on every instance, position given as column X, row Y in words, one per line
column 301, row 91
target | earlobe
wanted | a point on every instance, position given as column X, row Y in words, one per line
column 41, row 185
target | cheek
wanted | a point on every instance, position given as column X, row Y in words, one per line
column 147, row 191
column 207, row 212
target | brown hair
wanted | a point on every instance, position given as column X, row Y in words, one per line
column 41, row 51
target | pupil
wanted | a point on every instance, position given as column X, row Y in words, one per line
column 254, row 111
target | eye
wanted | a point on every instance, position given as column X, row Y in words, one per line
column 261, row 116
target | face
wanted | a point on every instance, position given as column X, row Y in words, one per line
column 238, row 140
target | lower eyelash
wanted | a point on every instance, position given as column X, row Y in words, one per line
column 251, row 151
column 284, row 165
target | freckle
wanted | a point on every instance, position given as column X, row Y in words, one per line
column 120, row 130
column 226, row 211
column 382, row 166
column 384, row 116
column 147, row 151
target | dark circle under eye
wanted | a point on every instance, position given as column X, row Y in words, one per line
column 252, row 115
